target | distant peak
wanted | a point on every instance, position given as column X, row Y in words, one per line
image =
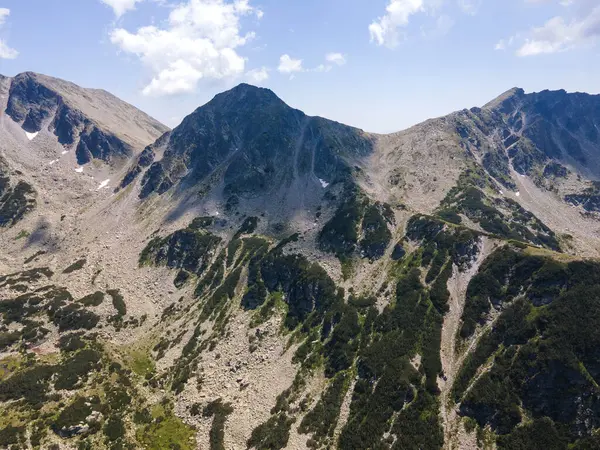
column 513, row 93
column 245, row 88
column 243, row 97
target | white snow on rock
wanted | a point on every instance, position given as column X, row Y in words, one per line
column 324, row 183
column 54, row 161
column 64, row 152
column 103, row 185
column 31, row 136
column 79, row 170
column 518, row 194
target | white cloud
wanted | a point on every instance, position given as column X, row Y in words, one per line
column 199, row 42
column 386, row 30
column 559, row 35
column 336, row 58
column 6, row 52
column 4, row 13
column 289, row 65
column 258, row 75
column 120, row 7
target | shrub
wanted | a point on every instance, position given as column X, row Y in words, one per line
column 94, row 299
column 74, row 317
column 118, row 302
column 77, row 265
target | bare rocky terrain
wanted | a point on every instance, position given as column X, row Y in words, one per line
column 258, row 278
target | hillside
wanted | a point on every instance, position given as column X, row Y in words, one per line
column 260, row 278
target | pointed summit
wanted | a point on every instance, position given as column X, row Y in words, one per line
column 255, row 143
column 510, row 96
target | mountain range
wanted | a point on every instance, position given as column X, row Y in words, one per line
column 259, row 278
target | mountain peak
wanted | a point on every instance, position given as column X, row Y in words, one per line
column 246, row 95
column 511, row 94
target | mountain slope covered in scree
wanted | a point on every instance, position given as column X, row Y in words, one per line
column 258, row 278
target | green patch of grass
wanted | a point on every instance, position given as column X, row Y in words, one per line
column 9, row 365
column 166, row 431
column 141, row 362
column 22, row 234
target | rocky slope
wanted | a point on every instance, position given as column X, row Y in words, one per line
column 94, row 122
column 258, row 278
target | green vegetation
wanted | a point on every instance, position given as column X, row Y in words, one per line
column 11, row 435
column 273, row 434
column 542, row 349
column 118, row 302
column 15, row 202
column 74, row 317
column 248, row 226
column 352, row 339
column 77, row 265
column 375, row 231
column 219, row 411
column 114, row 428
column 357, row 225
column 94, row 299
column 22, row 235
column 74, row 414
column 387, row 383
column 166, row 431
column 77, row 368
column 469, row 198
column 202, row 222
column 188, row 249
column 323, row 418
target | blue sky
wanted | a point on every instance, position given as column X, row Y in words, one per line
column 381, row 65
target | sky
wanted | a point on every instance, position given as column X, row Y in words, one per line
column 380, row 65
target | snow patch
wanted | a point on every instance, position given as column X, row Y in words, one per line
column 64, row 152
column 324, row 183
column 54, row 161
column 518, row 194
column 31, row 136
column 501, row 193
column 103, row 185
column 79, row 170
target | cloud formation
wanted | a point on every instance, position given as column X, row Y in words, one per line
column 6, row 52
column 289, row 65
column 578, row 27
column 386, row 30
column 336, row 58
column 390, row 29
column 200, row 41
column 559, row 34
column 120, row 7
